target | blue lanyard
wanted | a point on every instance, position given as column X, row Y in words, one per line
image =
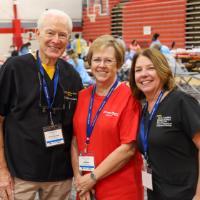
column 49, row 100
column 91, row 125
column 144, row 133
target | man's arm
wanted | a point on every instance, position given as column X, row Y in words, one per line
column 6, row 183
column 2, row 157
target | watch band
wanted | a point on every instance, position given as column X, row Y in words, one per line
column 93, row 176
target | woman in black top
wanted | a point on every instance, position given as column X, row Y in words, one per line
column 169, row 135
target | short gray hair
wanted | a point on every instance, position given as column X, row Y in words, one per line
column 54, row 12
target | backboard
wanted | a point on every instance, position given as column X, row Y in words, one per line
column 97, row 7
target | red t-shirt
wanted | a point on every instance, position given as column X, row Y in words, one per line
column 117, row 124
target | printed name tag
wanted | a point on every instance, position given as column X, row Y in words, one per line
column 147, row 180
column 86, row 163
column 53, row 135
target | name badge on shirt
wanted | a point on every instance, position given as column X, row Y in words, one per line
column 86, row 162
column 147, row 178
column 53, row 135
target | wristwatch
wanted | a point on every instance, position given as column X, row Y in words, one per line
column 93, row 176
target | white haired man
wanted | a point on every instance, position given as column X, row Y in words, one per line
column 37, row 101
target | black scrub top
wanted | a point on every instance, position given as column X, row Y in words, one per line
column 172, row 154
column 23, row 104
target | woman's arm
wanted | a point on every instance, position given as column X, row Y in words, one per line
column 115, row 161
column 112, row 163
column 74, row 157
column 196, row 140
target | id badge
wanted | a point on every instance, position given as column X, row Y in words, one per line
column 53, row 135
column 86, row 162
column 147, row 177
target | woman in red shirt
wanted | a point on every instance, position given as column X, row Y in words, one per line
column 104, row 155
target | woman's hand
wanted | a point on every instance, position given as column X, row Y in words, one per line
column 85, row 196
column 196, row 197
column 84, row 184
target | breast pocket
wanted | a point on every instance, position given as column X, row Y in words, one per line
column 70, row 99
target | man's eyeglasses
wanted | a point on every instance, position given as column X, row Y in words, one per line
column 106, row 61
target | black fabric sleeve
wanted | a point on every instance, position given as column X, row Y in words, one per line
column 190, row 115
column 6, row 87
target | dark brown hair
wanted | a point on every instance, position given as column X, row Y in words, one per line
column 161, row 65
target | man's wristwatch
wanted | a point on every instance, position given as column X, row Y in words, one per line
column 93, row 177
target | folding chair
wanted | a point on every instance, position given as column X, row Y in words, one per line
column 185, row 78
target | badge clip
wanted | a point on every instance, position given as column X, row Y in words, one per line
column 86, row 145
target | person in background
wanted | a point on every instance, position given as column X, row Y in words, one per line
column 173, row 45
column 105, row 129
column 162, row 48
column 37, row 101
column 69, row 45
column 169, row 135
column 120, row 40
column 168, row 55
column 155, row 39
column 13, row 51
column 25, row 49
column 131, row 50
column 134, row 47
column 78, row 65
column 87, row 49
column 79, row 45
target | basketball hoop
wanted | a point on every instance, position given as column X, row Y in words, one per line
column 92, row 17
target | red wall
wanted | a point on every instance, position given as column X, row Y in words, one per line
column 166, row 17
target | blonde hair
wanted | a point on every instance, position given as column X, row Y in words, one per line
column 55, row 13
column 103, row 42
column 161, row 65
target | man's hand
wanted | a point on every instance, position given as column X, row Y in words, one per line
column 6, row 185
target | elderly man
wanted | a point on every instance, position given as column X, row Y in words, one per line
column 37, row 101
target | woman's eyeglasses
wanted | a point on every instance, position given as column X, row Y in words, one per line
column 106, row 61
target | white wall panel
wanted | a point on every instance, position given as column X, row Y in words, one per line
column 6, row 10
column 31, row 9
column 6, row 41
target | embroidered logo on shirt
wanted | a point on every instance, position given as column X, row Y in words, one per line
column 68, row 95
column 164, row 121
column 111, row 114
